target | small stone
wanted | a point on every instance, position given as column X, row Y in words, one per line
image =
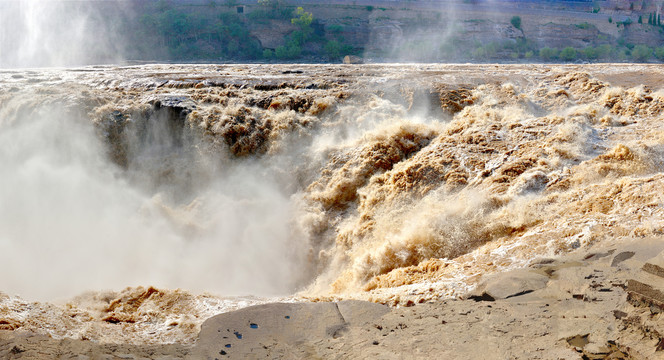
column 619, row 314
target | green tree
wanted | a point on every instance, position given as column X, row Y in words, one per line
column 303, row 19
column 516, row 22
column 568, row 54
column 610, row 19
column 640, row 21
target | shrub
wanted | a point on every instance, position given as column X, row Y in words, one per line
column 335, row 28
column 298, row 36
column 294, row 51
column 641, row 53
column 485, row 52
column 268, row 54
column 523, row 45
column 548, row 53
column 610, row 19
column 659, row 53
column 274, row 9
column 516, row 22
column 281, row 52
column 333, row 49
column 479, row 53
column 622, row 55
column 604, row 51
column 590, row 53
column 568, row 54
column 291, row 51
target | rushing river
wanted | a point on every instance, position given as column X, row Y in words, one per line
column 240, row 184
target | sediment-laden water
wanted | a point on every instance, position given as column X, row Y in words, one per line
column 201, row 189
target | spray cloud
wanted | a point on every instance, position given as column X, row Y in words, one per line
column 41, row 33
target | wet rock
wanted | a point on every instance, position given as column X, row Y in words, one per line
column 655, row 265
column 592, row 256
column 540, row 262
column 643, row 289
column 619, row 314
column 510, row 284
column 177, row 106
column 625, row 255
column 9, row 324
column 16, row 350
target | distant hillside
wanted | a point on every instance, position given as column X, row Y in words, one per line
column 377, row 30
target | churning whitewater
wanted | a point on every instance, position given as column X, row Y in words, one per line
column 242, row 183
